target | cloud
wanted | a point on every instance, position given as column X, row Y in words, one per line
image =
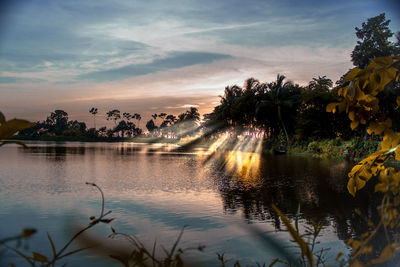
column 11, row 79
column 172, row 61
column 54, row 53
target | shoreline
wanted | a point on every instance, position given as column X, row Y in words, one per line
column 336, row 149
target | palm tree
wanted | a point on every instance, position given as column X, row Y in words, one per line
column 93, row 111
column 279, row 96
column 137, row 117
column 114, row 115
column 127, row 116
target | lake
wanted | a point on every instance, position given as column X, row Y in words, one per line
column 154, row 191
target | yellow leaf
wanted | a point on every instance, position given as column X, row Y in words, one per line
column 351, row 187
column 331, row 107
column 2, row 118
column 9, row 128
column 387, row 253
column 383, row 61
column 352, row 74
column 365, row 84
column 370, row 67
column 356, row 263
column 354, row 124
column 27, row 232
column 397, row 155
column 340, row 254
column 351, row 115
column 387, row 76
column 380, row 187
column 352, row 89
column 398, row 100
column 302, row 244
column 39, row 257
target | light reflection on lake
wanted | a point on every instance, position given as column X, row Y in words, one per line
column 154, row 190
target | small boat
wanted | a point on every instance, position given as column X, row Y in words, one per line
column 280, row 150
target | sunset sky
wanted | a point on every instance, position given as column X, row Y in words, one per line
column 164, row 56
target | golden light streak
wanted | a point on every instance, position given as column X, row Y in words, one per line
column 242, row 160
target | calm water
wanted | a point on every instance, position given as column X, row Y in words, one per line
column 153, row 192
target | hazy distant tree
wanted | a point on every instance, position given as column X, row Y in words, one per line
column 93, row 111
column 374, row 35
column 76, row 125
column 109, row 133
column 122, row 127
column 92, row 133
column 187, row 121
column 102, row 131
column 162, row 115
column 151, row 127
column 137, row 117
column 127, row 116
column 114, row 115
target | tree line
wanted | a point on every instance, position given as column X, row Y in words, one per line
column 282, row 109
column 126, row 125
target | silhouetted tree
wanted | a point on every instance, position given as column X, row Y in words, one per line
column 374, row 36
column 138, row 118
column 114, row 115
column 127, row 115
column 151, row 127
column 57, row 122
column 93, row 111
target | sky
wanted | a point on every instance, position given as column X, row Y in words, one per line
column 164, row 56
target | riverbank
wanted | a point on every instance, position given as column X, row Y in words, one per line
column 354, row 149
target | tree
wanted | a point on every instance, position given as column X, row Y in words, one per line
column 57, row 122
column 127, row 116
column 121, row 127
column 151, row 126
column 102, row 131
column 374, row 36
column 114, row 115
column 321, row 83
column 137, row 117
column 93, row 111
column 279, row 96
column 313, row 121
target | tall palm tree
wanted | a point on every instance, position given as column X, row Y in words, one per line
column 93, row 111
column 279, row 96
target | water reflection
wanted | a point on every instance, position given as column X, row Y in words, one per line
column 317, row 186
column 155, row 189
